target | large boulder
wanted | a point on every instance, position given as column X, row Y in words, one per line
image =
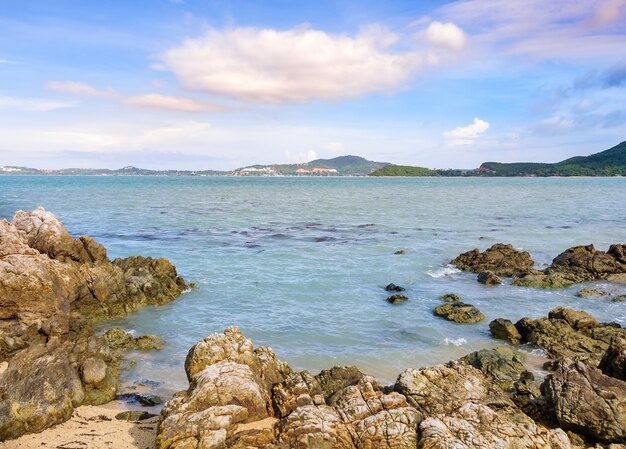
column 500, row 259
column 587, row 401
column 44, row 383
column 504, row 329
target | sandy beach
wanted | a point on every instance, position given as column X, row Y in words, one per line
column 92, row 427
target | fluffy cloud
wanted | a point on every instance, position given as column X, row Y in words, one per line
column 31, row 104
column 466, row 135
column 172, row 103
column 78, row 88
column 298, row 65
column 446, row 35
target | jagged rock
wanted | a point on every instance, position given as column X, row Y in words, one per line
column 590, row 292
column 399, row 252
column 44, row 383
column 44, row 232
column 613, row 362
column 134, row 415
column 394, row 288
column 42, row 296
column 542, row 280
column 488, row 278
column 120, row 339
column 501, row 259
column 568, row 333
column 620, row 298
column 505, row 330
column 459, row 312
column 450, row 297
column 587, row 401
column 396, row 299
column 312, row 427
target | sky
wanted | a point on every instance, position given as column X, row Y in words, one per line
column 204, row 84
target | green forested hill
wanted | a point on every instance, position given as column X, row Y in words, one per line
column 404, row 170
column 606, row 163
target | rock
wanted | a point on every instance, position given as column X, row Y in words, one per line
column 450, row 297
column 400, row 251
column 569, row 333
column 620, row 298
column 587, row 401
column 590, row 292
column 120, row 339
column 505, row 330
column 44, row 232
column 396, row 299
column 501, row 259
column 134, row 415
column 61, row 375
column 542, row 280
column 394, row 288
column 488, row 278
column 613, row 362
column 459, row 312
column 504, row 368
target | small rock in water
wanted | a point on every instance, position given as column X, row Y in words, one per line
column 394, row 288
column 620, row 298
column 590, row 292
column 147, row 400
column 450, row 297
column 134, row 415
column 400, row 251
column 488, row 278
column 505, row 330
column 396, row 299
column 459, row 312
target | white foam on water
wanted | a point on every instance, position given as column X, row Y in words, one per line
column 448, row 270
column 454, row 341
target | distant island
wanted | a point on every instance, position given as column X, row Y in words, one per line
column 611, row 162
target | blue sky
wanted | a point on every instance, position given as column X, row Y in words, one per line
column 214, row 84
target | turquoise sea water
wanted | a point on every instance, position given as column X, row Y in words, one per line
column 300, row 263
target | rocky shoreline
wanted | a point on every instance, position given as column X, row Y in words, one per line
column 54, row 287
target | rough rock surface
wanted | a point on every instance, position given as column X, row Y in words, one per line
column 49, row 282
column 613, row 362
column 450, row 297
column 396, row 299
column 590, row 292
column 501, row 259
column 226, row 406
column 587, row 401
column 459, row 312
column 569, row 333
column 52, row 287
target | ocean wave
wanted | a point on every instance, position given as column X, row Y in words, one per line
column 448, row 270
column 454, row 341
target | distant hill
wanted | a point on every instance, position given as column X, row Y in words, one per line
column 610, row 162
column 404, row 170
column 338, row 166
column 125, row 171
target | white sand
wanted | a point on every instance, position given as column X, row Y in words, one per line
column 92, row 427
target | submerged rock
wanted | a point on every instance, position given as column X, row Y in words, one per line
column 459, row 312
column 450, row 297
column 396, row 299
column 500, row 259
column 394, row 288
column 590, row 292
column 120, row 339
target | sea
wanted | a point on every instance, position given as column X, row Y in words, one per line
column 300, row 264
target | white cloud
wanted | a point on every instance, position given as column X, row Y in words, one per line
column 172, row 103
column 5, row 61
column 300, row 157
column 78, row 88
column 32, row 104
column 298, row 65
column 445, row 35
column 466, row 135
